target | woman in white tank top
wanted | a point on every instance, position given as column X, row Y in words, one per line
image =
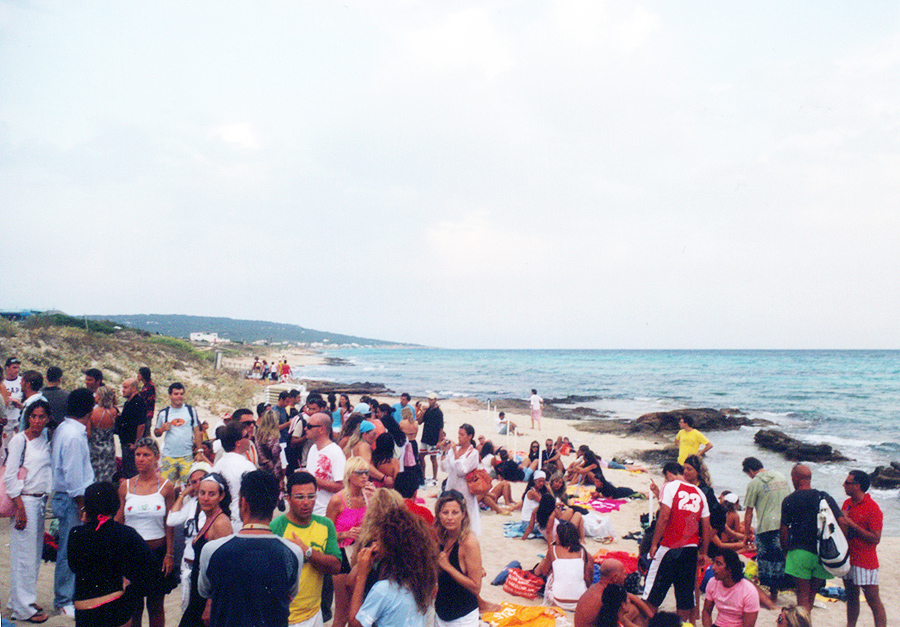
column 145, row 501
column 570, row 568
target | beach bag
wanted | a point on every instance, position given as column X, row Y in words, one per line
column 7, row 505
column 522, row 583
column 409, row 458
column 478, row 481
column 832, row 545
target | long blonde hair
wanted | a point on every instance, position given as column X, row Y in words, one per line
column 267, row 427
column 355, row 437
column 446, row 497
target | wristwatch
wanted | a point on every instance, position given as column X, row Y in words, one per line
column 308, row 553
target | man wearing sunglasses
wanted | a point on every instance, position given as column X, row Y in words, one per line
column 325, row 461
column 316, row 537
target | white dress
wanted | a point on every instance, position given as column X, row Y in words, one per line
column 456, row 470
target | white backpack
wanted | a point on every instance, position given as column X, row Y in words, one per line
column 832, row 545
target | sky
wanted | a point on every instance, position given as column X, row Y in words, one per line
column 490, row 174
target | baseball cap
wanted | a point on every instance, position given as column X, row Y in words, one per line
column 731, row 497
column 432, row 397
column 11, row 361
column 540, row 474
column 362, row 408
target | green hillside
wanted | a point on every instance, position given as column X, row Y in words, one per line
column 236, row 330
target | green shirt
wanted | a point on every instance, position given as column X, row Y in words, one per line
column 765, row 492
column 320, row 535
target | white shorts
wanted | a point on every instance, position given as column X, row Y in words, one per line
column 313, row 621
column 862, row 576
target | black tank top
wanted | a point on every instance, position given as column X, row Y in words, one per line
column 453, row 600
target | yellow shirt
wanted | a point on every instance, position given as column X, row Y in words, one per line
column 689, row 443
column 320, row 535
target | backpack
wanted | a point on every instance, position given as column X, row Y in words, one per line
column 190, row 411
column 830, row 541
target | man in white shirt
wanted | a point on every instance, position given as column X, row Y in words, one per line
column 233, row 464
column 179, row 427
column 12, row 396
column 72, row 474
column 536, row 407
column 325, row 461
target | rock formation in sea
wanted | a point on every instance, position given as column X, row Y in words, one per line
column 795, row 450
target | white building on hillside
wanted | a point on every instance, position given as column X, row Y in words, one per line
column 212, row 338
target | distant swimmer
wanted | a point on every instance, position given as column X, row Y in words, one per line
column 537, row 404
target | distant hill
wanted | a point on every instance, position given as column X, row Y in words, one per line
column 237, row 330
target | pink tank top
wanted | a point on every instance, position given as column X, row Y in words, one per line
column 348, row 519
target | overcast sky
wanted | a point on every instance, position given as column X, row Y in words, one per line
column 460, row 174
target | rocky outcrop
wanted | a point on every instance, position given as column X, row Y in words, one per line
column 346, row 388
column 705, row 419
column 886, row 477
column 795, row 450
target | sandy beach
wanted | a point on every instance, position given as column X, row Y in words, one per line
column 498, row 550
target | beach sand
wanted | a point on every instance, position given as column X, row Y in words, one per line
column 497, row 551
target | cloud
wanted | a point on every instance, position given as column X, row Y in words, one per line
column 477, row 247
column 462, row 40
column 821, row 139
column 239, row 134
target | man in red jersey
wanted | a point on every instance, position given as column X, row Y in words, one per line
column 864, row 522
column 682, row 525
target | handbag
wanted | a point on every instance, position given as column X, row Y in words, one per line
column 522, row 583
column 478, row 481
column 7, row 505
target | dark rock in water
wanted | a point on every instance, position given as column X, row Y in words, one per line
column 886, row 477
column 795, row 450
column 657, row 456
column 705, row 419
column 346, row 388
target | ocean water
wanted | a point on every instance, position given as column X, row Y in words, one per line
column 849, row 399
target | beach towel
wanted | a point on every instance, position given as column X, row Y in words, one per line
column 629, row 560
column 581, row 495
column 516, row 529
column 526, row 616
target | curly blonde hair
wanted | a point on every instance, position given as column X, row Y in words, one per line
column 408, row 554
column 383, row 501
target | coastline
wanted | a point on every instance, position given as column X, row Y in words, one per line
column 497, row 550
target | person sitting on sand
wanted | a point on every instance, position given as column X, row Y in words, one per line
column 551, row 460
column 567, row 567
column 606, row 604
column 586, row 462
column 546, row 516
column 503, row 425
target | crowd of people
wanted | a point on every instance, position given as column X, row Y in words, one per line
column 306, row 511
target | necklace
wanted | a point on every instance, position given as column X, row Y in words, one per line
column 255, row 527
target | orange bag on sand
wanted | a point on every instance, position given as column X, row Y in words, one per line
column 525, row 616
column 478, row 482
column 522, row 583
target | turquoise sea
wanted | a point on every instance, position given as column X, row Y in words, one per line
column 849, row 399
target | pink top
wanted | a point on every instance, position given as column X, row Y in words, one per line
column 732, row 603
column 348, row 519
